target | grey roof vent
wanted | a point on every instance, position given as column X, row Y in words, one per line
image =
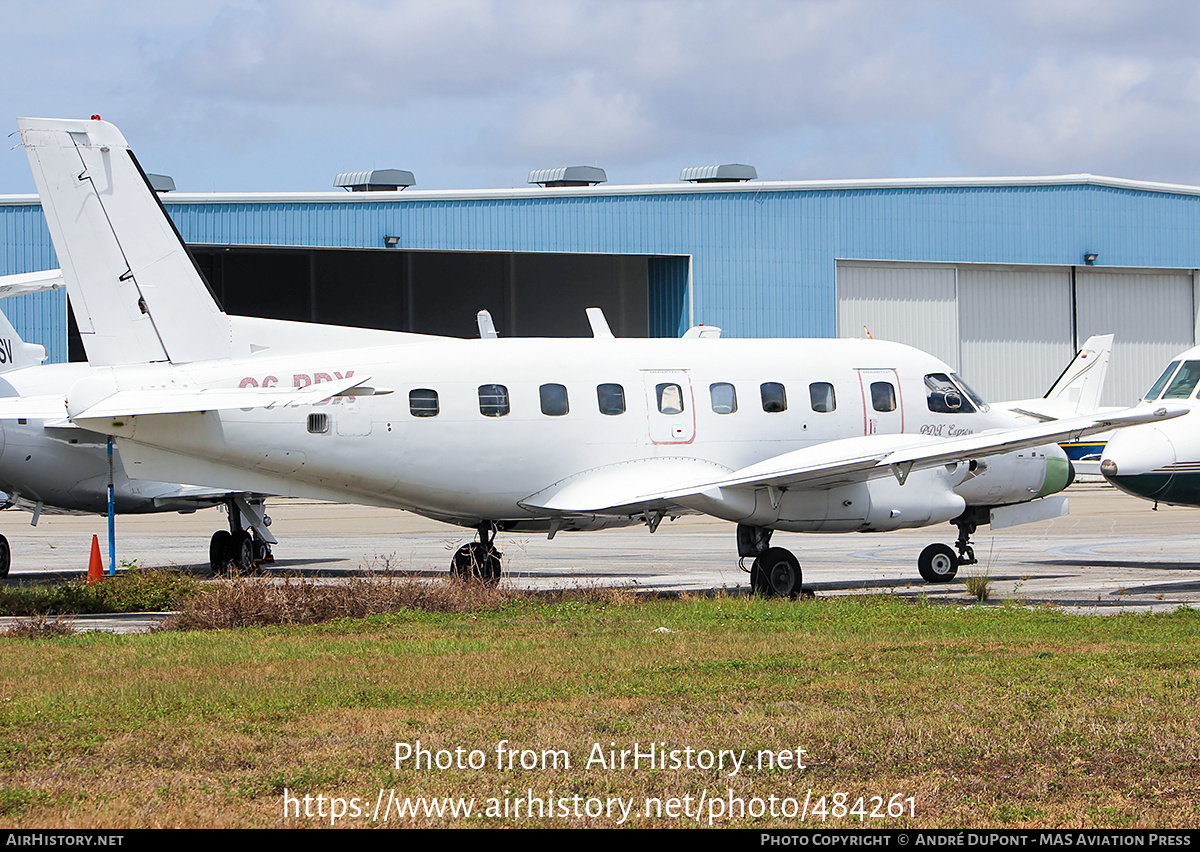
column 161, row 183
column 377, row 180
column 728, row 173
column 568, row 176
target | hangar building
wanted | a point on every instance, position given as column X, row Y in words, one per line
column 1000, row 277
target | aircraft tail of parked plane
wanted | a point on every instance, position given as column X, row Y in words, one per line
column 505, row 434
column 1076, row 392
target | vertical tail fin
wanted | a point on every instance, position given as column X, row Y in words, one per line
column 15, row 353
column 136, row 293
column 1082, row 382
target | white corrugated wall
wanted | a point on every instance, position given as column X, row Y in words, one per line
column 1010, row 330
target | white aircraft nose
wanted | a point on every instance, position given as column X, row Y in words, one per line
column 1141, row 462
column 1137, row 451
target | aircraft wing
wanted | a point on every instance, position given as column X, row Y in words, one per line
column 825, row 465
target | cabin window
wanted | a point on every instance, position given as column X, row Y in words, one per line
column 821, row 396
column 1162, row 381
column 611, row 398
column 1184, row 383
column 774, row 397
column 493, row 400
column 423, row 402
column 318, row 423
column 943, row 396
column 554, row 400
column 670, row 398
column 883, row 396
column 724, row 397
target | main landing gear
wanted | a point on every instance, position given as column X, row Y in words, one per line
column 240, row 549
column 938, row 563
column 478, row 560
column 775, row 571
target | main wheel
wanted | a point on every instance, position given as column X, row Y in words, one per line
column 262, row 552
column 219, row 548
column 776, row 573
column 938, row 563
column 241, row 554
column 476, row 561
column 5, row 557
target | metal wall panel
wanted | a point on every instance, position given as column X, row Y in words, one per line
column 1015, row 326
column 907, row 303
column 763, row 257
column 1152, row 316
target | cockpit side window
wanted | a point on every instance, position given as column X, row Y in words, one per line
column 1162, row 381
column 943, row 396
column 1185, row 380
column 980, row 405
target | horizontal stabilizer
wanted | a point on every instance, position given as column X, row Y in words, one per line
column 30, row 282
column 135, row 403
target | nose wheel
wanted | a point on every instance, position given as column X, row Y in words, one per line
column 938, row 563
column 478, row 560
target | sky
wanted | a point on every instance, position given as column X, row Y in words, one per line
column 282, row 95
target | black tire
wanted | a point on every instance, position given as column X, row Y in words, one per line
column 241, row 553
column 476, row 561
column 220, row 546
column 5, row 557
column 938, row 563
column 262, row 552
column 776, row 574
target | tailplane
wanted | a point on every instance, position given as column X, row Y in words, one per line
column 136, row 294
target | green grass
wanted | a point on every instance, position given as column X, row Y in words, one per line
column 1010, row 716
column 137, row 590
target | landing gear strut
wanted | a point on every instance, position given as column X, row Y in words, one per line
column 238, row 548
column 939, row 563
column 775, row 571
column 478, row 560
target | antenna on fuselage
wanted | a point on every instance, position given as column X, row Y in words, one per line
column 598, row 323
column 487, row 328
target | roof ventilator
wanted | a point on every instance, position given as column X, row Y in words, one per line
column 376, row 180
column 728, row 173
column 568, row 176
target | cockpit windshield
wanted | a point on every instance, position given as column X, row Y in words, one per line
column 948, row 394
column 1158, row 386
column 1184, row 382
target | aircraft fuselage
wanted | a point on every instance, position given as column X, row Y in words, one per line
column 472, row 429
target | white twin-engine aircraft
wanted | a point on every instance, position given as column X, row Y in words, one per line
column 521, row 434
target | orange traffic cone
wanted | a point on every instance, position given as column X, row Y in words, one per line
column 95, row 568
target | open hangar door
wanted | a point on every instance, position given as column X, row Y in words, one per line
column 1010, row 330
column 433, row 292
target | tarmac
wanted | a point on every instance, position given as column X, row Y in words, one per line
column 1112, row 553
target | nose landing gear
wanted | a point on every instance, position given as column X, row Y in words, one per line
column 479, row 560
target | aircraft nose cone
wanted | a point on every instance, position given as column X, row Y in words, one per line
column 1139, row 460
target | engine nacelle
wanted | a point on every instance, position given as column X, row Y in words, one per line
column 878, row 505
column 1018, row 477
